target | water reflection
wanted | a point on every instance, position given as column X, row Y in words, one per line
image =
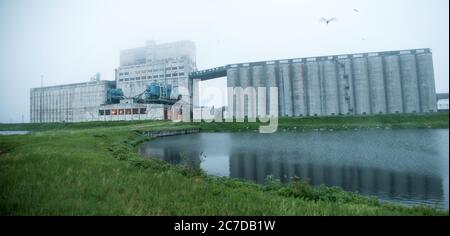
column 408, row 166
column 407, row 186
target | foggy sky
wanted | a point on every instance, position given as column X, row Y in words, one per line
column 69, row 41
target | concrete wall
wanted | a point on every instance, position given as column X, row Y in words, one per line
column 360, row 84
column 67, row 103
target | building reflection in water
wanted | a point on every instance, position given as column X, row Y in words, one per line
column 366, row 180
column 405, row 166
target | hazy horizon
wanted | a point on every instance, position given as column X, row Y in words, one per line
column 69, row 41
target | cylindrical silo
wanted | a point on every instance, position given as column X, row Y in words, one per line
column 43, row 106
column 284, row 76
column 259, row 82
column 271, row 82
column 393, row 84
column 345, row 83
column 376, row 82
column 280, row 85
column 361, row 85
column 298, row 90
column 31, row 106
column 330, row 88
column 313, row 89
column 233, row 82
column 426, row 82
column 410, row 89
column 249, row 94
column 49, row 106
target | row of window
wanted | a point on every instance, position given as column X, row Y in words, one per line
column 133, row 111
column 151, row 77
column 153, row 70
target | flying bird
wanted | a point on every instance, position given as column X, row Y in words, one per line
column 327, row 21
column 355, row 10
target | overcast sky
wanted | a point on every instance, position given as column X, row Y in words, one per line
column 69, row 41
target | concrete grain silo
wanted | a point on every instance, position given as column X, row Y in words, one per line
column 233, row 82
column 246, row 82
column 426, row 82
column 298, row 90
column 271, row 82
column 393, row 84
column 410, row 89
column 376, row 84
column 259, row 82
column 361, row 86
column 284, row 76
column 331, row 100
column 313, row 94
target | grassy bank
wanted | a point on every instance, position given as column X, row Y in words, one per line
column 394, row 121
column 91, row 169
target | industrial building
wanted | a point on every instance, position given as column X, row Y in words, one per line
column 68, row 103
column 353, row 84
column 168, row 63
column 442, row 101
column 145, row 86
column 148, row 80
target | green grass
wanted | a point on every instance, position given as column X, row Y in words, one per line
column 91, row 169
column 391, row 121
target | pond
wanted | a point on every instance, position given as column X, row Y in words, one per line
column 403, row 166
column 13, row 132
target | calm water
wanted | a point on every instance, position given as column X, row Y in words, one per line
column 406, row 166
column 13, row 132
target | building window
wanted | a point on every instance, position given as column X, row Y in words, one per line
column 114, row 112
column 175, row 74
column 161, row 76
column 155, row 76
column 181, row 74
column 143, row 110
column 107, row 112
column 120, row 73
column 127, row 73
column 138, row 78
column 101, row 112
column 149, row 77
column 126, row 79
column 167, row 75
column 120, row 80
column 128, row 111
column 131, row 79
column 121, row 112
column 181, row 67
column 174, row 68
column 135, row 110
